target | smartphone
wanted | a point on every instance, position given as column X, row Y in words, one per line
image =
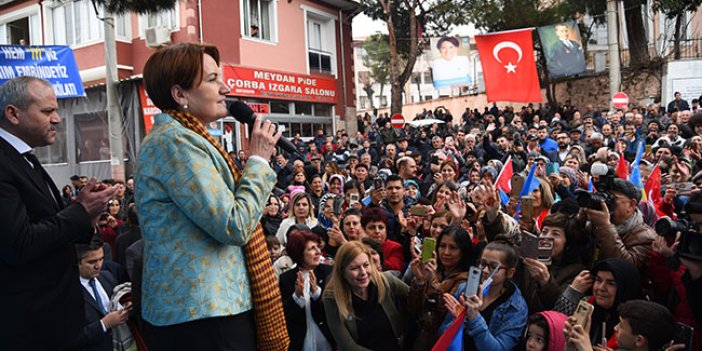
column 378, row 183
column 417, row 244
column 428, row 247
column 473, row 282
column 528, row 208
column 338, row 203
column 583, row 312
column 551, row 168
column 517, row 185
column 539, row 248
column 683, row 335
column 418, row 210
column 354, row 198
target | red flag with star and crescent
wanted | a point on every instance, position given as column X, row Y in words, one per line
column 509, row 66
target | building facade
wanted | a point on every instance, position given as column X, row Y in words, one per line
column 289, row 60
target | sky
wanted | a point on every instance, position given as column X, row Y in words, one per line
column 363, row 26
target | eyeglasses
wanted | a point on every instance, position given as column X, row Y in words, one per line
column 491, row 266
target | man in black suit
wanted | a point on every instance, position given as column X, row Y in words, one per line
column 559, row 155
column 38, row 269
column 565, row 56
column 97, row 291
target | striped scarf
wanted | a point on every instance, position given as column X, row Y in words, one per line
column 271, row 330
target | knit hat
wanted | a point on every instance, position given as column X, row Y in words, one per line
column 572, row 176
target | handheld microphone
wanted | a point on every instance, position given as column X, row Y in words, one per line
column 244, row 114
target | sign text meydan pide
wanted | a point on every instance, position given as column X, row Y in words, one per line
column 277, row 85
column 53, row 63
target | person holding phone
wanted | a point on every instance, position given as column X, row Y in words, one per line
column 496, row 317
column 613, row 281
column 439, row 275
column 542, row 284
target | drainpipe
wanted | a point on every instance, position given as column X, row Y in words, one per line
column 343, row 68
column 199, row 18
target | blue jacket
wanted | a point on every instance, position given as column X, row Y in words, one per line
column 195, row 220
column 506, row 325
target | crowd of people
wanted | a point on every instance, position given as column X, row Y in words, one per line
column 505, row 229
column 346, row 222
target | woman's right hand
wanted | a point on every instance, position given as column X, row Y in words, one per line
column 454, row 306
column 423, row 271
column 299, row 284
column 336, row 236
column 263, row 138
column 438, row 179
column 583, row 281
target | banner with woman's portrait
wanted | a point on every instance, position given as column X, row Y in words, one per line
column 450, row 64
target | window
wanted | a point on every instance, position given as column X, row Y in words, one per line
column 427, row 97
column 416, row 78
column 56, row 152
column 427, row 77
column 280, row 107
column 321, row 42
column 92, row 137
column 383, row 101
column 259, row 19
column 363, row 102
column 167, row 18
column 21, row 27
column 76, row 23
column 303, row 108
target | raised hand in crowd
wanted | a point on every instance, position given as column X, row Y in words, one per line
column 578, row 335
column 423, row 271
column 583, row 281
column 661, row 247
column 456, row 207
column 336, row 236
column 537, row 270
column 598, row 217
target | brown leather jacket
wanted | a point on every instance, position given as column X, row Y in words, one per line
column 633, row 246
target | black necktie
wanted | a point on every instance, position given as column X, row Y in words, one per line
column 46, row 179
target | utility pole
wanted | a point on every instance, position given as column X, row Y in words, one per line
column 615, row 77
column 114, row 110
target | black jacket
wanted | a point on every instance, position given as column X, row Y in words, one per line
column 295, row 315
column 92, row 337
column 38, row 265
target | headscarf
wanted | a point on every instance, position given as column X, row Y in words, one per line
column 556, row 325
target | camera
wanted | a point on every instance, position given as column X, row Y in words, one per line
column 668, row 228
column 604, row 184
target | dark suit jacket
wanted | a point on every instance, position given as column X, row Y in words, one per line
column 92, row 338
column 295, row 315
column 38, row 265
column 553, row 156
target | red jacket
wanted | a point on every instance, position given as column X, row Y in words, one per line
column 394, row 257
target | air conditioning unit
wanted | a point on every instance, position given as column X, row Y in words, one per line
column 157, row 36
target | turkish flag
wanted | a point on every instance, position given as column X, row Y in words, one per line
column 509, row 67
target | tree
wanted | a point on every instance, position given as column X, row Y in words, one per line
column 138, row 6
column 410, row 19
column 377, row 61
column 633, row 16
column 676, row 9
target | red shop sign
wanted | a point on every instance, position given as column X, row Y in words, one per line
column 148, row 109
column 267, row 84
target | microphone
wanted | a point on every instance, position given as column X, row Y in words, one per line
column 244, row 114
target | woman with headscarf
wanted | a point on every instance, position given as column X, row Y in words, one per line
column 613, row 282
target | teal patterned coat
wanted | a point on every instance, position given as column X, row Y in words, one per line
column 194, row 222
